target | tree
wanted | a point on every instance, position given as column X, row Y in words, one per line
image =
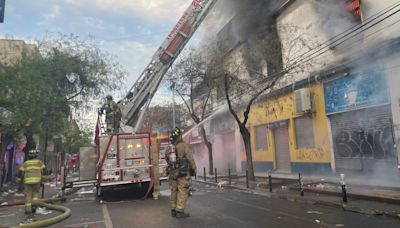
column 190, row 80
column 244, row 78
column 38, row 93
column 160, row 118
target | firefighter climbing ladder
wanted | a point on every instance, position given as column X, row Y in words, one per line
column 136, row 102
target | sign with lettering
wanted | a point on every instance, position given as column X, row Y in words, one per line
column 355, row 92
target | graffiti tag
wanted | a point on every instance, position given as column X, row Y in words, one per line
column 369, row 143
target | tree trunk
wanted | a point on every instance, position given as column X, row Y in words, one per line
column 210, row 152
column 3, row 146
column 30, row 144
column 247, row 145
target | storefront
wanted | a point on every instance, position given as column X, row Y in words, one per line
column 358, row 108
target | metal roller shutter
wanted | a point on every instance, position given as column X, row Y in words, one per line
column 363, row 140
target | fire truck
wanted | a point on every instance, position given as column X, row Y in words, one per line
column 124, row 158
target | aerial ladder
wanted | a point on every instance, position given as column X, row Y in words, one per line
column 134, row 105
column 125, row 158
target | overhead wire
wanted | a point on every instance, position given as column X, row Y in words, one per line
column 353, row 28
column 311, row 57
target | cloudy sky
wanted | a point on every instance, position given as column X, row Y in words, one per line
column 130, row 29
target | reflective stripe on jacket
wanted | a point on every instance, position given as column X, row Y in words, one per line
column 32, row 171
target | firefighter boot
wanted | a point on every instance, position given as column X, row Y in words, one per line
column 182, row 214
column 173, row 213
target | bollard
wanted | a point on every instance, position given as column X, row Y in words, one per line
column 216, row 176
column 344, row 192
column 247, row 178
column 229, row 176
column 205, row 178
column 270, row 181
column 301, row 185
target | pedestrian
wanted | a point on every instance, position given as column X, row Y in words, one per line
column 181, row 166
column 31, row 173
column 113, row 115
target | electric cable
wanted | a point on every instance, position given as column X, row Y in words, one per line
column 354, row 28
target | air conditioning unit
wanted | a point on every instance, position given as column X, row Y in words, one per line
column 303, row 100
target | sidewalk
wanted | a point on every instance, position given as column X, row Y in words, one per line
column 367, row 199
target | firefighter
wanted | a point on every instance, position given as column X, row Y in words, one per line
column 181, row 167
column 113, row 114
column 31, row 172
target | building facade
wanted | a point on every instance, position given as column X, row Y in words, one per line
column 340, row 111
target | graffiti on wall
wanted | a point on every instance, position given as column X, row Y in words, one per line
column 310, row 155
column 368, row 143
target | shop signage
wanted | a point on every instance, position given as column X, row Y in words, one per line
column 355, row 92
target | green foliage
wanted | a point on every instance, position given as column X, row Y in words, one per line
column 38, row 92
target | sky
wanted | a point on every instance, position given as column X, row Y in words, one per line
column 132, row 30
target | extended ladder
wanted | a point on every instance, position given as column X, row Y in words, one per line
column 136, row 102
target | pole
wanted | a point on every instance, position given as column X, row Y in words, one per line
column 229, row 176
column 45, row 154
column 301, row 185
column 247, row 178
column 216, row 177
column 45, row 146
column 173, row 106
column 205, row 178
column 270, row 181
column 344, row 192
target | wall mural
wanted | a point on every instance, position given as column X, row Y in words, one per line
column 355, row 92
column 367, row 143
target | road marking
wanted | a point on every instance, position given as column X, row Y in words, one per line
column 85, row 223
column 247, row 204
column 107, row 218
column 9, row 215
column 280, row 212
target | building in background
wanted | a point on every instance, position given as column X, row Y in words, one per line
column 340, row 112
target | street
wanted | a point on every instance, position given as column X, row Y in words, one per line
column 214, row 207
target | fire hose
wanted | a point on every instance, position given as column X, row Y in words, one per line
column 47, row 203
column 47, row 222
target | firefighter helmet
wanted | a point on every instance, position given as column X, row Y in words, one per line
column 175, row 134
column 33, row 153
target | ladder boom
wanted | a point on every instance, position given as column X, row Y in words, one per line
column 147, row 84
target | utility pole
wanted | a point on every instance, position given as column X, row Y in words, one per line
column 2, row 9
column 173, row 105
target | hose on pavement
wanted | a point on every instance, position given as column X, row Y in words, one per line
column 48, row 204
column 50, row 221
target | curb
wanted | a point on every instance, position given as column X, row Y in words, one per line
column 345, row 207
column 354, row 196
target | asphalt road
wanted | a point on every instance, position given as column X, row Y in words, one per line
column 210, row 207
column 213, row 207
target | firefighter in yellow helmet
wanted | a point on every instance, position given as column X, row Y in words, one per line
column 31, row 173
column 181, row 167
column 113, row 114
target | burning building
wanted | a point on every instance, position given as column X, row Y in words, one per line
column 336, row 108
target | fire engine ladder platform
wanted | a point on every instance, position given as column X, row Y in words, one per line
column 134, row 105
